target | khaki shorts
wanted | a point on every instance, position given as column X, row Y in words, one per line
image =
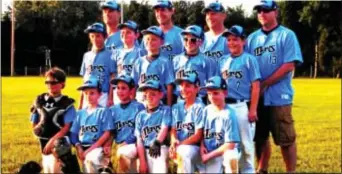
column 277, row 120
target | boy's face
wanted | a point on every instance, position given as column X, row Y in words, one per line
column 97, row 39
column 123, row 91
column 235, row 44
column 128, row 36
column 153, row 97
column 54, row 87
column 91, row 95
column 163, row 15
column 216, row 96
column 110, row 17
column 188, row 89
column 191, row 43
column 152, row 42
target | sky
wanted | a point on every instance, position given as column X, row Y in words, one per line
column 246, row 4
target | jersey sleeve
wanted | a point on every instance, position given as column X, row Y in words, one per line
column 75, row 128
column 70, row 115
column 212, row 68
column 113, row 64
column 107, row 121
column 168, row 73
column 199, row 118
column 83, row 68
column 174, row 115
column 231, row 129
column 254, row 70
column 138, row 125
column 166, row 117
column 135, row 72
column 292, row 51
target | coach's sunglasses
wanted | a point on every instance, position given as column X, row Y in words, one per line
column 259, row 10
column 51, row 82
column 192, row 40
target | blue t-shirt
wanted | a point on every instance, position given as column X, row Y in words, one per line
column 272, row 50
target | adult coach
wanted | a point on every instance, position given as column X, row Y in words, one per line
column 277, row 51
column 214, row 45
column 111, row 18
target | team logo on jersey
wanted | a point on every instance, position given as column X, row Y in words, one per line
column 90, row 128
column 185, row 73
column 144, row 77
column 149, row 129
column 120, row 124
column 237, row 74
column 99, row 68
column 128, row 68
column 166, row 47
column 214, row 54
column 260, row 50
column 189, row 126
column 210, row 135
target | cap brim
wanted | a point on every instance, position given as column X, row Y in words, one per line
column 262, row 6
column 121, row 26
column 143, row 88
column 81, row 88
column 144, row 32
column 110, row 7
column 189, row 32
column 161, row 6
column 179, row 81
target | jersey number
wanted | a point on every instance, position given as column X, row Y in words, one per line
column 237, row 85
column 272, row 59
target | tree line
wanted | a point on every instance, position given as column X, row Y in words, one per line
column 59, row 26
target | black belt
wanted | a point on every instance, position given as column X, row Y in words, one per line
column 233, row 100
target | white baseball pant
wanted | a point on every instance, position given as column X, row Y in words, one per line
column 189, row 159
column 159, row 164
column 94, row 160
column 50, row 164
column 228, row 162
column 129, row 152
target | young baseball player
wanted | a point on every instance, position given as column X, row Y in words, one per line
column 173, row 45
column 187, row 125
column 111, row 18
column 98, row 63
column 277, row 51
column 151, row 129
column 124, row 114
column 214, row 45
column 154, row 66
column 51, row 115
column 91, row 128
column 193, row 61
column 220, row 145
column 242, row 74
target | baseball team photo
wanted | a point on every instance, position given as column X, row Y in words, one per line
column 171, row 86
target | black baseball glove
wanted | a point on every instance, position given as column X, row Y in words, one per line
column 154, row 150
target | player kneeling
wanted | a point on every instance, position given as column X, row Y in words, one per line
column 221, row 133
column 187, row 125
column 91, row 129
column 124, row 114
column 151, row 129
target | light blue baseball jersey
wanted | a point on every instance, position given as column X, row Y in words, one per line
column 214, row 47
column 99, row 65
column 201, row 65
column 239, row 72
column 90, row 127
column 113, row 41
column 219, row 127
column 125, row 58
column 124, row 119
column 187, row 121
column 173, row 43
column 160, row 69
column 148, row 125
column 271, row 51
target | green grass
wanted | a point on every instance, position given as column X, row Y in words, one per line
column 317, row 114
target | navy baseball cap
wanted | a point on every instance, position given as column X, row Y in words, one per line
column 91, row 82
column 194, row 30
column 235, row 30
column 150, row 84
column 190, row 77
column 163, row 4
column 215, row 82
column 111, row 4
column 266, row 4
column 154, row 30
column 129, row 24
column 214, row 6
column 123, row 78
column 95, row 28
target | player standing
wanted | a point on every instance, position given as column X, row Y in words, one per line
column 98, row 63
column 47, row 125
column 151, row 129
column 278, row 52
column 220, row 145
column 242, row 74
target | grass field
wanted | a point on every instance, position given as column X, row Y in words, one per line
column 316, row 110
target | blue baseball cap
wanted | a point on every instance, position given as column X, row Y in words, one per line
column 154, row 30
column 111, row 4
column 215, row 82
column 235, row 30
column 123, row 78
column 163, row 4
column 214, row 6
column 91, row 82
column 194, row 30
column 188, row 76
column 266, row 4
column 95, row 28
column 150, row 84
column 129, row 24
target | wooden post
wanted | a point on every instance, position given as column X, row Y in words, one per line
column 25, row 70
column 316, row 60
